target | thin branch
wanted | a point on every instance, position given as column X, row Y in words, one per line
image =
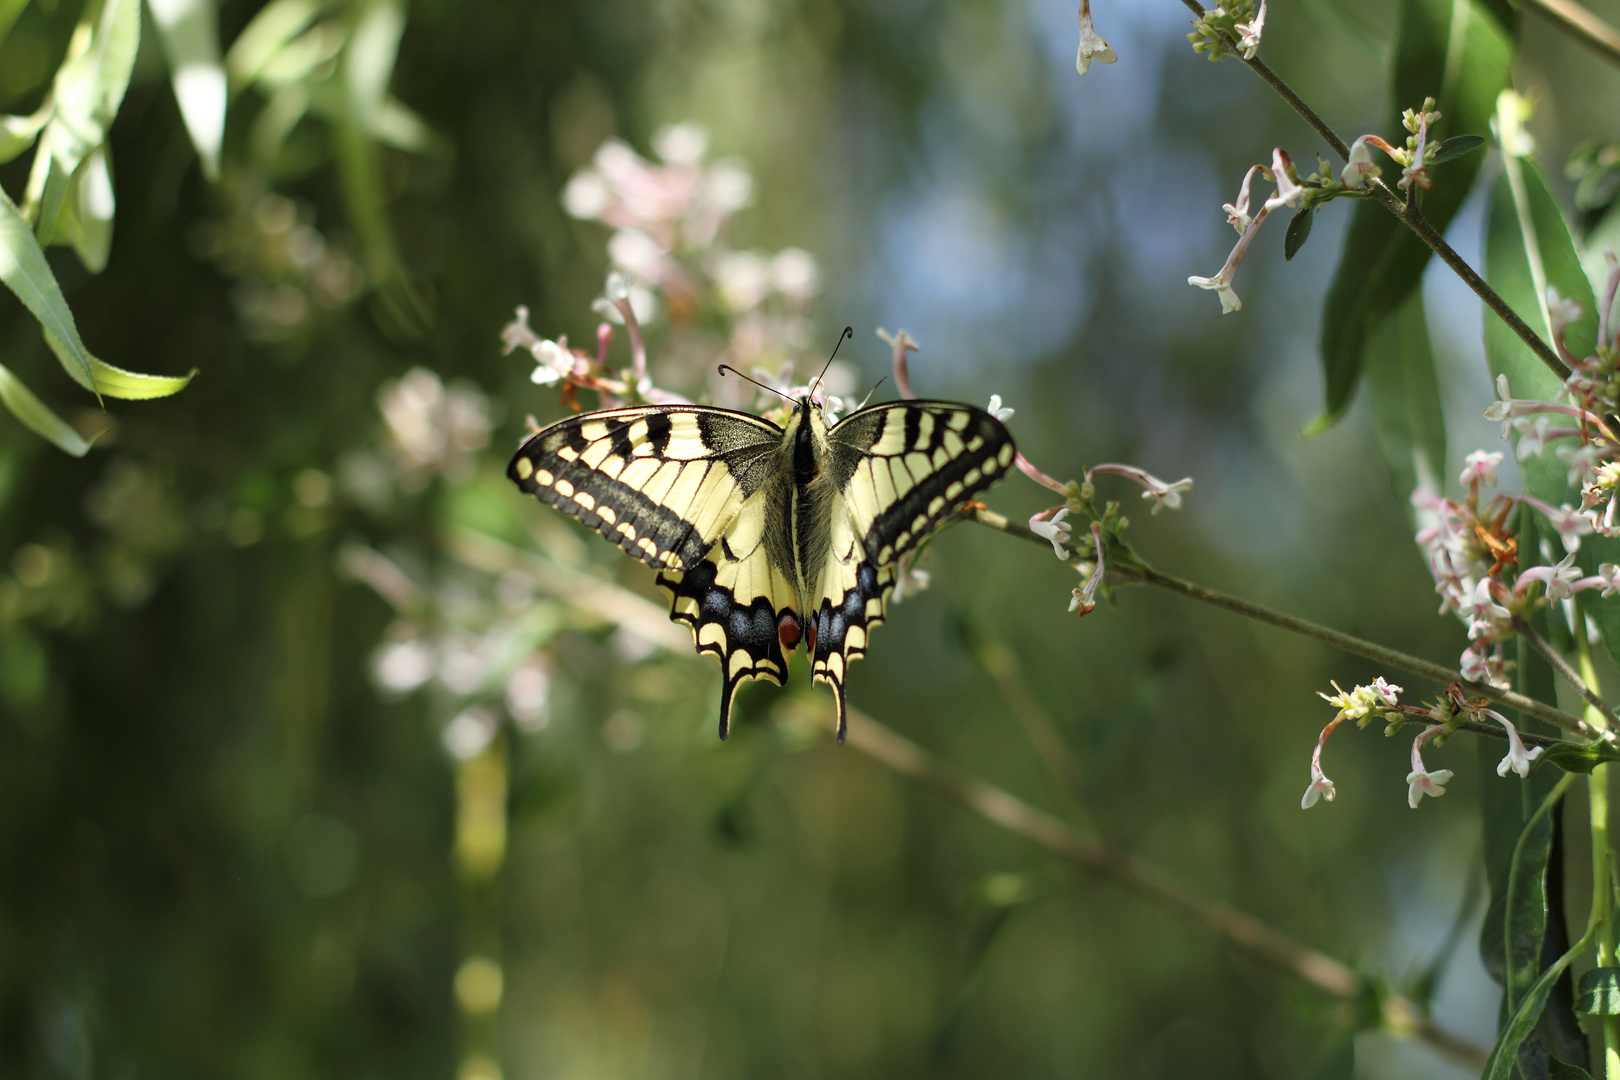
column 1408, row 213
column 1237, row 928
column 1347, row 642
column 1581, row 25
column 1565, row 671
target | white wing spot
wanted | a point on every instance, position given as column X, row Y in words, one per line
column 543, row 478
column 524, row 467
column 564, row 488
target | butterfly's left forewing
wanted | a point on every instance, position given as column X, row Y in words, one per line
column 901, row 470
column 683, row 489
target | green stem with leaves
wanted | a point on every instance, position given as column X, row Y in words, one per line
column 1409, row 213
column 1597, row 794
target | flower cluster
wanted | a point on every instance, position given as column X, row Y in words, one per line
column 1470, row 548
column 1381, row 701
column 671, row 221
column 1220, row 28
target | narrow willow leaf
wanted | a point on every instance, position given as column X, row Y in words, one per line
column 1299, row 231
column 1563, row 1070
column 1456, row 147
column 89, row 211
column 88, row 90
column 17, row 133
column 276, row 24
column 1576, row 759
column 1505, row 1054
column 37, row 417
column 115, row 382
column 25, row 272
column 1459, row 53
column 1524, row 902
column 1599, row 992
column 190, row 33
column 1405, row 394
column 368, row 62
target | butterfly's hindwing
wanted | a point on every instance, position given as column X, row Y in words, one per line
column 739, row 606
column 660, row 481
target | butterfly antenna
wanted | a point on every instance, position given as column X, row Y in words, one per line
column 727, row 367
column 849, row 332
column 872, row 391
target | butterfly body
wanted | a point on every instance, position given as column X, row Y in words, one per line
column 768, row 538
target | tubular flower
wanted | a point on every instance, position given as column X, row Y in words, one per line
column 1360, row 170
column 1053, row 529
column 1421, row 782
column 1518, row 758
column 1085, row 597
column 1092, row 46
column 1248, row 45
column 997, row 410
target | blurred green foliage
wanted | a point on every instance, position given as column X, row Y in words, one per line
column 312, row 762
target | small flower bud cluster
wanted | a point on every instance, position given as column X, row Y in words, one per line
column 1240, row 23
column 1380, row 700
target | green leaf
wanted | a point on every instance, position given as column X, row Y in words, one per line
column 115, row 382
column 276, row 24
column 1299, row 231
column 17, row 133
column 1505, row 1055
column 1598, row 993
column 88, row 90
column 86, row 219
column 1563, row 1070
column 1405, row 394
column 25, row 272
column 37, row 417
column 1459, row 53
column 1456, row 147
column 1574, row 758
column 1524, row 903
column 190, row 33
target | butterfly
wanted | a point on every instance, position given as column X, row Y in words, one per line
column 765, row 537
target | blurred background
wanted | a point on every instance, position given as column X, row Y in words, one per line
column 313, row 762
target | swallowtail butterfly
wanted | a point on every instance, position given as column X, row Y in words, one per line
column 767, row 538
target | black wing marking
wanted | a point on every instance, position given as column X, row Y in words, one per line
column 661, row 481
column 739, row 606
column 902, row 469
column 906, row 467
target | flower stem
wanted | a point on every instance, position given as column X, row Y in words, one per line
column 1605, row 718
column 1239, row 929
column 1597, row 796
column 1407, row 212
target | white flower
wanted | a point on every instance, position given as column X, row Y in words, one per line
column 681, row 144
column 1582, row 461
column 1249, row 44
column 1562, row 311
column 554, row 362
column 1533, row 434
column 997, row 410
column 1282, row 174
column 1359, row 170
column 1055, row 530
column 1417, row 172
column 1166, row 495
column 1480, row 468
column 1518, row 758
column 1237, row 214
column 1222, row 285
column 1092, row 47
column 1502, row 408
column 1081, row 603
column 1560, row 578
column 1610, row 572
column 1420, row 783
column 1387, row 692
column 587, row 195
column 1321, row 788
column 794, row 274
column 1571, row 526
